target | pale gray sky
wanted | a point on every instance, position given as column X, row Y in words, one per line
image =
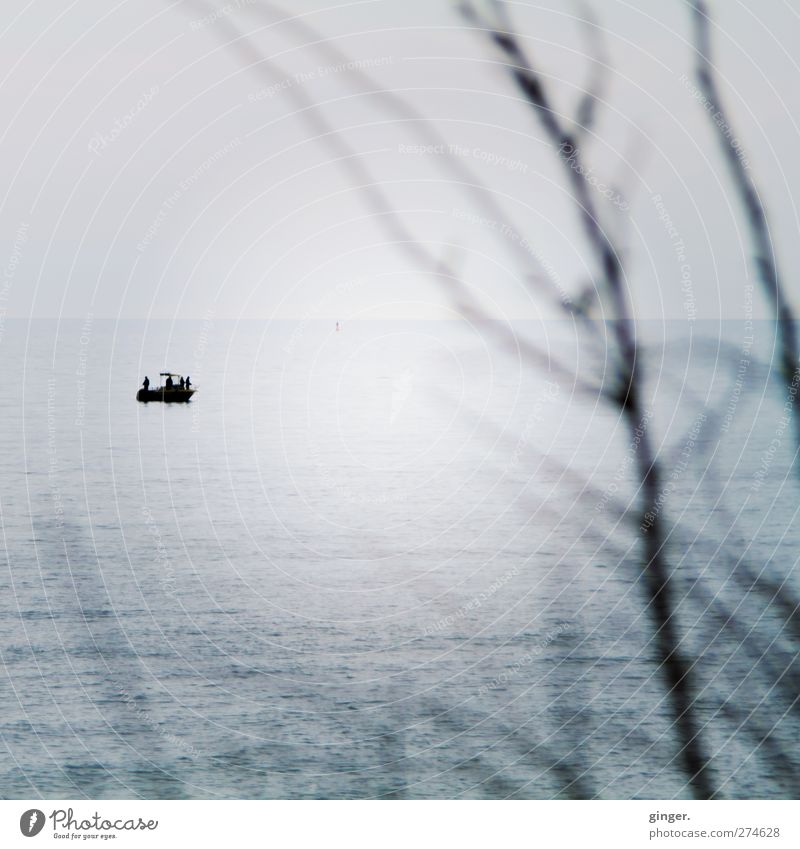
column 150, row 173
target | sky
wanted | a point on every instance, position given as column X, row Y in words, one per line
column 180, row 160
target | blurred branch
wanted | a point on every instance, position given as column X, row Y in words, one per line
column 765, row 261
column 624, row 389
column 426, row 130
column 610, row 277
column 597, row 76
column 349, row 159
column 536, row 753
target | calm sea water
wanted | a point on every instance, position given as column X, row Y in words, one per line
column 383, row 562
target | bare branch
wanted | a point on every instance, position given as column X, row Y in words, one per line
column 597, row 77
column 764, row 259
column 610, row 275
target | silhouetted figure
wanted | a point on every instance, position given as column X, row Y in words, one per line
column 182, row 383
column 188, row 382
column 169, row 383
column 146, row 383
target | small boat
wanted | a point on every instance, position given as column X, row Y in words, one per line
column 170, row 392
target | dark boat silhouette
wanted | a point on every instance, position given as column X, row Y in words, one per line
column 168, row 394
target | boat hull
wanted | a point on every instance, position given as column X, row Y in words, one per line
column 168, row 396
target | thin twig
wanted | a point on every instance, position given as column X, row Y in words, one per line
column 610, row 275
column 764, row 258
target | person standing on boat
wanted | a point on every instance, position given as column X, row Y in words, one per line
column 146, row 383
column 188, row 383
column 182, row 383
column 169, row 384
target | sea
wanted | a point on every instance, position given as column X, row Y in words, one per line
column 402, row 559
